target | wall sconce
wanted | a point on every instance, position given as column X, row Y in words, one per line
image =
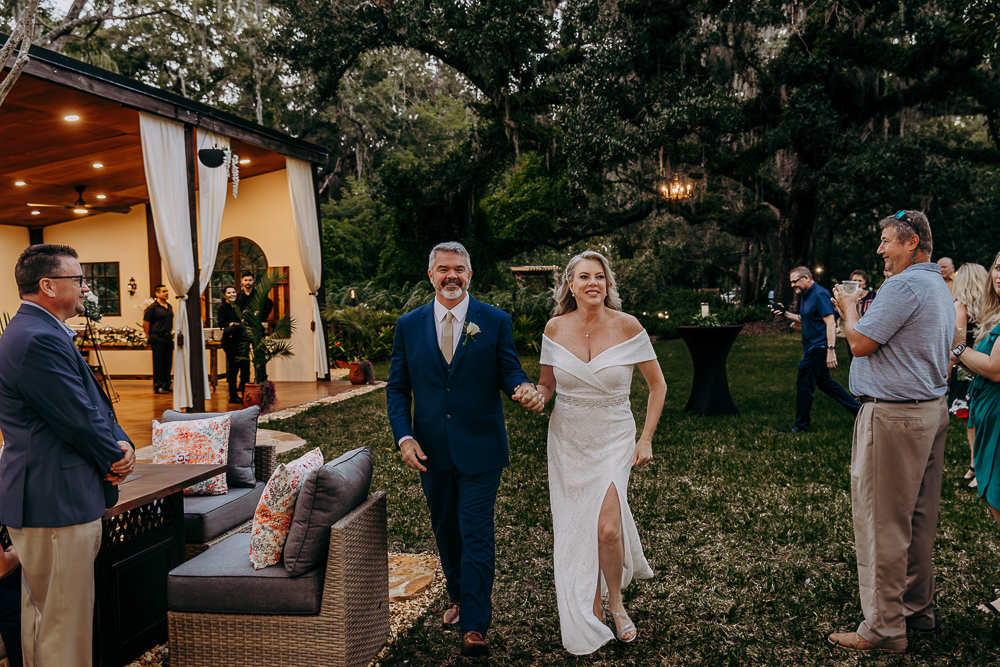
column 132, row 287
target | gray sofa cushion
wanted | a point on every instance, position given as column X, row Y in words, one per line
column 242, row 439
column 327, row 495
column 223, row 580
column 207, row 517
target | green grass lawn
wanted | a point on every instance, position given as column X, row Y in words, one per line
column 749, row 532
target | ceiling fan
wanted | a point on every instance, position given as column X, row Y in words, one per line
column 82, row 205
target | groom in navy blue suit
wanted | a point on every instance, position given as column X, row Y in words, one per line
column 451, row 358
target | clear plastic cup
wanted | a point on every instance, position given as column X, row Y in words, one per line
column 849, row 286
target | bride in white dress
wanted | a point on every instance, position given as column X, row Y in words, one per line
column 588, row 352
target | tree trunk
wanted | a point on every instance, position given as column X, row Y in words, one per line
column 790, row 244
column 745, row 272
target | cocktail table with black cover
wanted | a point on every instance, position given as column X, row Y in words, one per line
column 709, row 348
column 142, row 540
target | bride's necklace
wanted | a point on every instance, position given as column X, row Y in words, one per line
column 586, row 334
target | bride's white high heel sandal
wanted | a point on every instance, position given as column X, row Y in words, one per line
column 629, row 626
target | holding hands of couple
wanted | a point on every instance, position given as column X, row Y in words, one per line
column 526, row 394
column 529, row 397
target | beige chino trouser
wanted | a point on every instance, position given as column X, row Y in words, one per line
column 57, row 593
column 896, row 465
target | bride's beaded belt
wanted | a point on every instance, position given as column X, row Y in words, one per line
column 593, row 402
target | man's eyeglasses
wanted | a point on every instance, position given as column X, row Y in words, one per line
column 79, row 279
column 901, row 215
column 797, row 280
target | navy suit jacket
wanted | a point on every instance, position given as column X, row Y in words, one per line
column 60, row 434
column 457, row 413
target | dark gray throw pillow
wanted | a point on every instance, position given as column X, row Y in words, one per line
column 328, row 495
column 242, row 439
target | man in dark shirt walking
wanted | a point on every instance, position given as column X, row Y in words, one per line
column 243, row 299
column 158, row 323
column 246, row 291
column 819, row 350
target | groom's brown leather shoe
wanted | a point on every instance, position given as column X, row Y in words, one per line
column 450, row 615
column 474, row 645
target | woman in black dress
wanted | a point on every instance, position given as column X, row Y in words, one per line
column 232, row 335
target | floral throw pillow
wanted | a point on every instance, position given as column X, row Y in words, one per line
column 274, row 512
column 198, row 441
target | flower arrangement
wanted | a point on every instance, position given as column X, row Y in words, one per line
column 268, row 396
column 92, row 307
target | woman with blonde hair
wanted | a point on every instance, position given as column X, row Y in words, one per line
column 969, row 288
column 589, row 350
column 984, row 409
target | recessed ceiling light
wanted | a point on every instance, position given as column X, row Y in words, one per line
column 71, row 118
column 20, row 184
column 245, row 161
column 98, row 165
column 36, row 213
column 102, row 196
column 80, row 210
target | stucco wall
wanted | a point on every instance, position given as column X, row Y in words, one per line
column 112, row 237
column 13, row 240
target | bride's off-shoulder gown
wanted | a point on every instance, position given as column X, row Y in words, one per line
column 591, row 444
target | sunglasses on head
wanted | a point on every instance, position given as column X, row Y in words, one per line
column 901, row 215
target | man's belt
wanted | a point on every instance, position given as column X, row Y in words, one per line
column 912, row 401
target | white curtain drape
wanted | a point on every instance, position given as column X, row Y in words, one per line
column 212, row 187
column 300, row 187
column 165, row 164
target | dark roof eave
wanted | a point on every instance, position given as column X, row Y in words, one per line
column 63, row 70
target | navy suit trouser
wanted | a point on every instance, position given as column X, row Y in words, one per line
column 462, row 518
column 814, row 373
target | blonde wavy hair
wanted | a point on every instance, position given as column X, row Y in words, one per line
column 968, row 288
column 565, row 302
column 989, row 311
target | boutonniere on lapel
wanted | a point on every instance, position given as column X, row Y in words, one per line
column 470, row 331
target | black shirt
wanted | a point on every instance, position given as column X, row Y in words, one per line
column 160, row 318
column 242, row 298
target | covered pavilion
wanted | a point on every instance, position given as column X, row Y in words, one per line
column 112, row 167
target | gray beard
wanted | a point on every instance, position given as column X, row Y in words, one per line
column 461, row 291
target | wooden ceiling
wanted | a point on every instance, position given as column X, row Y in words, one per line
column 52, row 155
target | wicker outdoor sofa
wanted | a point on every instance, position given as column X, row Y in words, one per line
column 350, row 627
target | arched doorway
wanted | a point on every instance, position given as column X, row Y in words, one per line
column 236, row 255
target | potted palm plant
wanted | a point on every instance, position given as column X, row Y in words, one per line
column 259, row 347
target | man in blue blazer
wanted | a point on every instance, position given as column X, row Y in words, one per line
column 450, row 359
column 63, row 456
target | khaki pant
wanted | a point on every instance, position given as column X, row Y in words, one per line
column 57, row 593
column 896, row 467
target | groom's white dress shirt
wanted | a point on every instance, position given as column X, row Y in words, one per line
column 458, row 314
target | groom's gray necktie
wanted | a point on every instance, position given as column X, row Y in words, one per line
column 448, row 337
